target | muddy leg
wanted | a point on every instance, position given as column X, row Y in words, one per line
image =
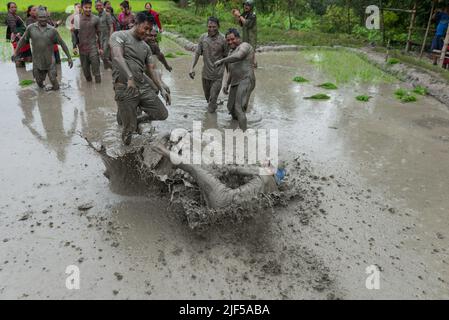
column 215, row 89
column 206, row 88
column 231, row 102
column 241, row 100
column 127, row 105
column 53, row 76
column 95, row 63
column 85, row 65
column 152, row 106
column 39, row 76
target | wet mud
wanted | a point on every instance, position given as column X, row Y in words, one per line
column 371, row 190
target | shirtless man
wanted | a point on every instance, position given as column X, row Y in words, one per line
column 106, row 29
column 131, row 62
column 43, row 38
column 217, row 195
column 90, row 46
column 212, row 46
column 241, row 78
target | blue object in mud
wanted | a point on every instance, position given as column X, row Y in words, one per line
column 280, row 175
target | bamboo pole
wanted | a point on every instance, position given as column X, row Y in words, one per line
column 427, row 30
column 410, row 30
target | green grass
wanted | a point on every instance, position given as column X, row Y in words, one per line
column 319, row 96
column 393, row 61
column 409, row 98
column 346, row 67
column 420, row 90
column 300, row 79
column 363, row 98
column 25, row 83
column 401, row 93
column 170, row 55
column 404, row 95
column 181, row 53
column 328, row 86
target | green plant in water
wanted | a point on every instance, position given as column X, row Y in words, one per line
column 328, row 85
column 300, row 79
column 170, row 55
column 363, row 98
column 408, row 98
column 420, row 90
column 181, row 53
column 24, row 83
column 393, row 61
column 400, row 93
column 319, row 96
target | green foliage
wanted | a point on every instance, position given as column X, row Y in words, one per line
column 363, row 98
column 300, row 79
column 408, row 98
column 338, row 19
column 25, row 83
column 170, row 55
column 420, row 90
column 401, row 93
column 393, row 61
column 319, row 96
column 404, row 95
column 328, row 86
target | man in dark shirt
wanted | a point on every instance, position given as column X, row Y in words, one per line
column 43, row 38
column 131, row 62
column 90, row 47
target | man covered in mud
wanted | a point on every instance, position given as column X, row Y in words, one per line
column 43, row 38
column 106, row 29
column 151, row 40
column 262, row 180
column 90, row 46
column 241, row 79
column 212, row 46
column 131, row 62
column 248, row 22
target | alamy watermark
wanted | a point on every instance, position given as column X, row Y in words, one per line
column 373, row 19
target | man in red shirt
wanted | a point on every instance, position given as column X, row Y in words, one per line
column 155, row 14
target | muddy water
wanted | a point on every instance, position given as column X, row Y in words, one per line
column 381, row 168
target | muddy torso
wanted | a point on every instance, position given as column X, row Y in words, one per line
column 243, row 68
column 137, row 55
column 212, row 49
column 30, row 20
column 249, row 29
column 105, row 23
column 89, row 26
column 42, row 42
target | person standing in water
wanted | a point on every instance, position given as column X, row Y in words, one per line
column 106, row 29
column 131, row 62
column 212, row 46
column 151, row 40
column 90, row 46
column 241, row 79
column 126, row 18
column 43, row 37
column 248, row 22
column 14, row 30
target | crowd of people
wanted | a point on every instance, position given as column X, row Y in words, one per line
column 128, row 45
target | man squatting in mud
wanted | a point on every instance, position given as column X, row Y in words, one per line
column 90, row 45
column 131, row 62
column 241, row 78
column 217, row 195
column 212, row 46
column 106, row 29
column 43, row 38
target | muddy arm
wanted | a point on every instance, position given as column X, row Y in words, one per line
column 161, row 58
column 64, row 47
column 117, row 56
column 243, row 171
column 23, row 40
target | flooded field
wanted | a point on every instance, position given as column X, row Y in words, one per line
column 378, row 171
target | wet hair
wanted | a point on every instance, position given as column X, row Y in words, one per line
column 84, row 2
column 29, row 9
column 125, row 4
column 9, row 4
column 214, row 19
column 234, row 31
column 143, row 17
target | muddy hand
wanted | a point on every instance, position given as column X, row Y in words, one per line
column 166, row 96
column 192, row 74
column 218, row 63
column 131, row 89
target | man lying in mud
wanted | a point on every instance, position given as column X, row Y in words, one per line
column 43, row 38
column 263, row 180
column 241, row 76
column 131, row 62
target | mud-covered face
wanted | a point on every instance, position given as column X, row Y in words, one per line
column 143, row 30
column 232, row 40
column 247, row 8
column 212, row 28
column 42, row 18
column 87, row 9
column 99, row 7
column 152, row 37
column 13, row 8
